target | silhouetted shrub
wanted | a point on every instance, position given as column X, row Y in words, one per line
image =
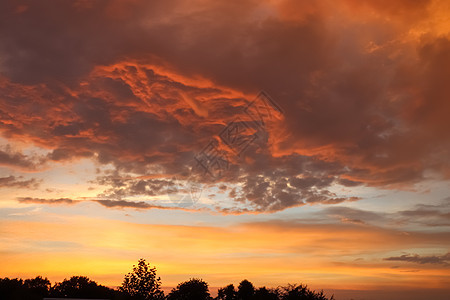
column 30, row 289
column 227, row 293
column 245, row 290
column 301, row 292
column 194, row 289
column 266, row 294
column 80, row 287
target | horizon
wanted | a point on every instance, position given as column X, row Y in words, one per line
column 387, row 294
column 279, row 141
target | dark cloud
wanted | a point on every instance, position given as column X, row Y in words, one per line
column 427, row 215
column 116, row 204
column 11, row 158
column 131, row 204
column 353, row 221
column 415, row 258
column 18, row 182
column 424, row 215
column 355, row 216
column 144, row 86
column 30, row 200
column 126, row 187
column 302, row 181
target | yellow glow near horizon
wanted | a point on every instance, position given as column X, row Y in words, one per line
column 106, row 250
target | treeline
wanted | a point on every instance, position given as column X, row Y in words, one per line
column 143, row 284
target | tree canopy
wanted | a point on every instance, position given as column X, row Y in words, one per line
column 143, row 284
column 80, row 287
column 246, row 290
column 192, row 289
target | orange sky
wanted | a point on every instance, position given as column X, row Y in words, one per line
column 137, row 129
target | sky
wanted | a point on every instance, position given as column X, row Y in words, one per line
column 279, row 141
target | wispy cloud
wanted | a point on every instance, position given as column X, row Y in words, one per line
column 30, row 200
column 415, row 258
column 18, row 182
column 15, row 159
column 117, row 204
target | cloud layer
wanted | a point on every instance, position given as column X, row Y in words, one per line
column 145, row 86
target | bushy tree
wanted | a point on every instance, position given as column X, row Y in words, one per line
column 266, row 294
column 193, row 289
column 245, row 290
column 11, row 288
column 29, row 289
column 142, row 283
column 227, row 293
column 301, row 292
column 80, row 287
column 38, row 287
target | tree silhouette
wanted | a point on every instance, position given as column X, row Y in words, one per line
column 301, row 292
column 37, row 287
column 265, row 294
column 227, row 293
column 193, row 289
column 142, row 283
column 80, row 287
column 245, row 290
column 11, row 288
column 30, row 289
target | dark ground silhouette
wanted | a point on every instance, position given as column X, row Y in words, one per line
column 143, row 284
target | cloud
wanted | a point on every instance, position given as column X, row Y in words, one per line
column 415, row 258
column 423, row 215
column 114, row 204
column 16, row 182
column 130, row 204
column 145, row 86
column 353, row 215
column 30, row 200
column 14, row 159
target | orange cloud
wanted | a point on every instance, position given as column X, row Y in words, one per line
column 364, row 97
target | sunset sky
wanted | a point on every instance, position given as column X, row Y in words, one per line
column 108, row 109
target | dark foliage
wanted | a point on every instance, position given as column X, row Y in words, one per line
column 266, row 294
column 143, row 284
column 80, row 287
column 37, row 287
column 194, row 289
column 30, row 289
column 246, row 290
column 301, row 292
column 227, row 293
